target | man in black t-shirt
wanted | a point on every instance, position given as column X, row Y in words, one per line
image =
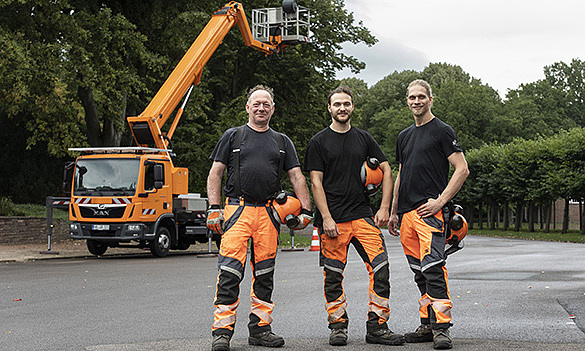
column 252, row 156
column 334, row 158
column 424, row 151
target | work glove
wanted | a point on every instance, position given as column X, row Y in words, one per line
column 305, row 218
column 215, row 219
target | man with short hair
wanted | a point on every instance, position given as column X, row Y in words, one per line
column 334, row 158
column 254, row 156
column 422, row 190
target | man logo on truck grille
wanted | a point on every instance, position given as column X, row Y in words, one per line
column 101, row 211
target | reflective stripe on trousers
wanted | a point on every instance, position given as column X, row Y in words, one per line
column 441, row 309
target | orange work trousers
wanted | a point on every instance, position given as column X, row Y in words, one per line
column 423, row 241
column 245, row 221
column 368, row 241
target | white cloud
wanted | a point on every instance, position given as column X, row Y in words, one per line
column 384, row 58
column 502, row 42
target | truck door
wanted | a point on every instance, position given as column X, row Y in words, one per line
column 157, row 187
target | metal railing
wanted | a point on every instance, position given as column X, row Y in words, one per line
column 294, row 27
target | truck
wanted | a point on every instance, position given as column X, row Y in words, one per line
column 135, row 196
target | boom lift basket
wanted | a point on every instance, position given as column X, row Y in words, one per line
column 291, row 22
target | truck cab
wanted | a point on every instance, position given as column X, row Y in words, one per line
column 134, row 197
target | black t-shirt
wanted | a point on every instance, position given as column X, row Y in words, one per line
column 423, row 153
column 340, row 157
column 259, row 158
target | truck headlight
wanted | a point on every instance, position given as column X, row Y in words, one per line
column 74, row 227
column 134, row 227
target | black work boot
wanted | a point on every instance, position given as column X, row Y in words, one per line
column 267, row 338
column 422, row 334
column 338, row 337
column 442, row 339
column 384, row 336
column 221, row 343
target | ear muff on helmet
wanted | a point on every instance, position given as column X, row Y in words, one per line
column 371, row 175
column 458, row 227
column 458, row 231
column 286, row 208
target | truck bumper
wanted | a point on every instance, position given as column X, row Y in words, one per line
column 110, row 231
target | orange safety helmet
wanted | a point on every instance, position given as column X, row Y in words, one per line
column 458, row 231
column 286, row 208
column 371, row 175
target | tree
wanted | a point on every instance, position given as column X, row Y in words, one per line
column 74, row 69
column 103, row 53
column 439, row 73
column 33, row 89
column 537, row 109
column 472, row 109
column 570, row 80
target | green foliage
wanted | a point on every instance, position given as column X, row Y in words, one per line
column 539, row 170
column 32, row 86
column 569, row 81
column 471, row 109
column 537, row 109
column 7, row 208
column 29, row 173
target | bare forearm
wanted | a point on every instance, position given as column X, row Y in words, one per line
column 387, row 186
column 214, row 183
column 213, row 190
column 299, row 185
column 395, row 194
column 454, row 185
column 320, row 200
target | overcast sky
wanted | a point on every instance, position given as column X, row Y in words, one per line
column 502, row 42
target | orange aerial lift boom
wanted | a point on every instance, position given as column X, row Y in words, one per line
column 146, row 127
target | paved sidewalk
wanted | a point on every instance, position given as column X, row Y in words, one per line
column 76, row 249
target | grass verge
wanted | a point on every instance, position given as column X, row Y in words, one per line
column 34, row 210
column 300, row 240
column 572, row 236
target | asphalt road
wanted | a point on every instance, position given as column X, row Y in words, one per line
column 507, row 294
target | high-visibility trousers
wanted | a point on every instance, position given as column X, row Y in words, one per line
column 423, row 241
column 368, row 241
column 244, row 221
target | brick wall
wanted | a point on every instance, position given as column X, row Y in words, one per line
column 30, row 230
column 559, row 208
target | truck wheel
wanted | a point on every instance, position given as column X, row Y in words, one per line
column 96, row 248
column 162, row 242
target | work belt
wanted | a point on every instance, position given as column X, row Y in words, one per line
column 243, row 202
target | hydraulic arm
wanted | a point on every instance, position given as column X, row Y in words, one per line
column 146, row 127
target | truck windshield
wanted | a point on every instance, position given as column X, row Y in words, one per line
column 106, row 177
